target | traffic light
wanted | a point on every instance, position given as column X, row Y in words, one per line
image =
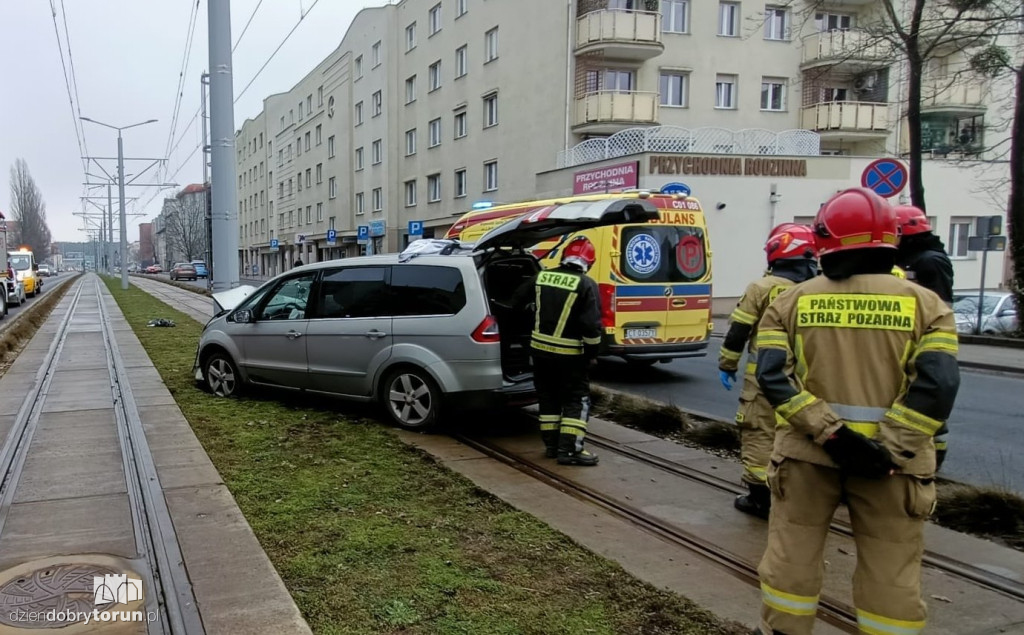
column 989, row 226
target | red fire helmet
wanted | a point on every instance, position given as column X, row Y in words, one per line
column 790, row 241
column 856, row 218
column 580, row 251
column 912, row 220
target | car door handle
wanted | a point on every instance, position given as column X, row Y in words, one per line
column 293, row 335
column 375, row 334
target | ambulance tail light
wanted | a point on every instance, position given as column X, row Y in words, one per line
column 487, row 331
column 607, row 293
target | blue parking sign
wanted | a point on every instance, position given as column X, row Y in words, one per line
column 415, row 228
column 363, row 232
column 332, row 237
column 274, row 244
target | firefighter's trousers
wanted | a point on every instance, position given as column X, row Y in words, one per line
column 887, row 517
column 563, row 393
column 756, row 421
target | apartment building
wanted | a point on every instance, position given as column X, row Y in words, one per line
column 428, row 106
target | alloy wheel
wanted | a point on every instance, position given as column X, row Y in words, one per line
column 220, row 377
column 410, row 399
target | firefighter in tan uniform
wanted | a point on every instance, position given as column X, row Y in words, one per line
column 861, row 368
column 790, row 251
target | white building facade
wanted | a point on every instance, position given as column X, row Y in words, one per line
column 428, row 106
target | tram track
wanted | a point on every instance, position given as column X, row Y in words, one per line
column 169, row 593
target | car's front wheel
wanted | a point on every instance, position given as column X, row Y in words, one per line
column 411, row 398
column 221, row 375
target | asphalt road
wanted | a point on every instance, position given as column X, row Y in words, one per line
column 48, row 285
column 985, row 444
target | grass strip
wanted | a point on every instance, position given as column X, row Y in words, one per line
column 371, row 535
column 174, row 283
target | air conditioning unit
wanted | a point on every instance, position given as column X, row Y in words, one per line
column 865, row 82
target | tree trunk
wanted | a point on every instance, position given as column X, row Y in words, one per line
column 1015, row 209
column 915, row 68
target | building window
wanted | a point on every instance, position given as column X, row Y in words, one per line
column 773, row 93
column 375, row 55
column 610, row 80
column 300, row 111
column 319, row 101
column 729, row 19
column 309, row 104
column 309, row 214
column 410, row 90
column 491, row 45
column 725, row 91
column 309, row 177
column 410, row 142
column 490, row 176
column 435, row 133
column 377, row 103
column 433, row 188
column 306, row 139
column 359, row 67
column 674, row 89
column 435, row 18
column 319, row 134
column 435, row 75
column 375, row 152
column 298, row 147
column 298, row 181
column 410, row 37
column 776, row 23
column 410, row 193
column 461, row 61
column 330, row 147
column 319, row 212
column 358, row 116
column 833, row 21
column 959, row 232
column 360, row 203
column 332, row 187
column 460, row 183
column 378, row 199
column 675, row 16
column 490, row 111
column 460, row 124
column 319, row 173
column 460, row 8
column 359, row 158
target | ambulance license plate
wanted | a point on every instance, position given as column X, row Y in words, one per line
column 641, row 333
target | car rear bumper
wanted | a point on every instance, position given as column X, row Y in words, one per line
column 509, row 396
column 639, row 352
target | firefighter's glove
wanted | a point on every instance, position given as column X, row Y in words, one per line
column 727, row 377
column 858, row 455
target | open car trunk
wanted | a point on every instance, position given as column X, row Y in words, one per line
column 502, row 277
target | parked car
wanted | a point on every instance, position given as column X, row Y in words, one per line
column 183, row 271
column 409, row 330
column 201, row 269
column 154, row 269
column 998, row 312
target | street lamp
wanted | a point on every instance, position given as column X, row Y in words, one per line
column 120, row 189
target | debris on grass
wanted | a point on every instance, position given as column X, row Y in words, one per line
column 987, row 512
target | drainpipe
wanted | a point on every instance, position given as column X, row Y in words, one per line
column 773, row 205
column 569, row 66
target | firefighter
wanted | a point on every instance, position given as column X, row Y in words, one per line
column 923, row 258
column 565, row 339
column 790, row 251
column 921, row 253
column 861, row 369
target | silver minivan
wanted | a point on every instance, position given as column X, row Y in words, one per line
column 417, row 331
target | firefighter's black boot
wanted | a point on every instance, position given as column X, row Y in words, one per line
column 757, row 503
column 571, row 452
column 550, row 438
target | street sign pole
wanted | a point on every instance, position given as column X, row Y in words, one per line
column 981, row 293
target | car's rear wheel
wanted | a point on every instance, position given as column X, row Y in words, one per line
column 221, row 375
column 411, row 398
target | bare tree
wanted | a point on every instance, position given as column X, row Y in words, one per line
column 29, row 210
column 186, row 226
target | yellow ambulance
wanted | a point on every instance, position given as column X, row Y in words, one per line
column 23, row 262
column 654, row 278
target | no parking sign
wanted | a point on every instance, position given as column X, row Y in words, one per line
column 886, row 177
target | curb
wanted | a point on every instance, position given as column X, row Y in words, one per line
column 996, row 368
column 991, row 340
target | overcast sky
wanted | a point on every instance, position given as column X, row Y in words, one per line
column 127, row 55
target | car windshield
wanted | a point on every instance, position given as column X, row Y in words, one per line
column 968, row 305
column 21, row 263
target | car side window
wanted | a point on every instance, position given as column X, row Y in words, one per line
column 353, row 292
column 427, row 290
column 288, row 301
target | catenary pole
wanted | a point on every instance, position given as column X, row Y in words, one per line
column 110, row 229
column 120, row 194
column 224, row 215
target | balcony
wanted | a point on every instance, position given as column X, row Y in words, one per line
column 959, row 96
column 607, row 112
column 851, row 49
column 620, row 34
column 848, row 119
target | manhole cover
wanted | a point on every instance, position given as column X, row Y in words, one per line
column 51, row 597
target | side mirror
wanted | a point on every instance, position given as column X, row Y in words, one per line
column 243, row 316
column 35, row 267
column 1008, row 313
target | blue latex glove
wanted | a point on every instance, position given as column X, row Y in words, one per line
column 727, row 377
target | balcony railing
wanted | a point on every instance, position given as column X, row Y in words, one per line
column 633, row 34
column 837, row 46
column 847, row 116
column 611, row 107
column 952, row 93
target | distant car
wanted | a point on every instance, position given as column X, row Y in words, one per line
column 201, row 269
column 183, row 271
column 998, row 312
column 44, row 270
column 154, row 269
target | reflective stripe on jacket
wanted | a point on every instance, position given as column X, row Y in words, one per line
column 568, row 313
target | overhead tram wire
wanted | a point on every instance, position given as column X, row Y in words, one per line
column 246, row 28
column 67, row 84
column 179, row 90
column 74, row 75
column 302, row 17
